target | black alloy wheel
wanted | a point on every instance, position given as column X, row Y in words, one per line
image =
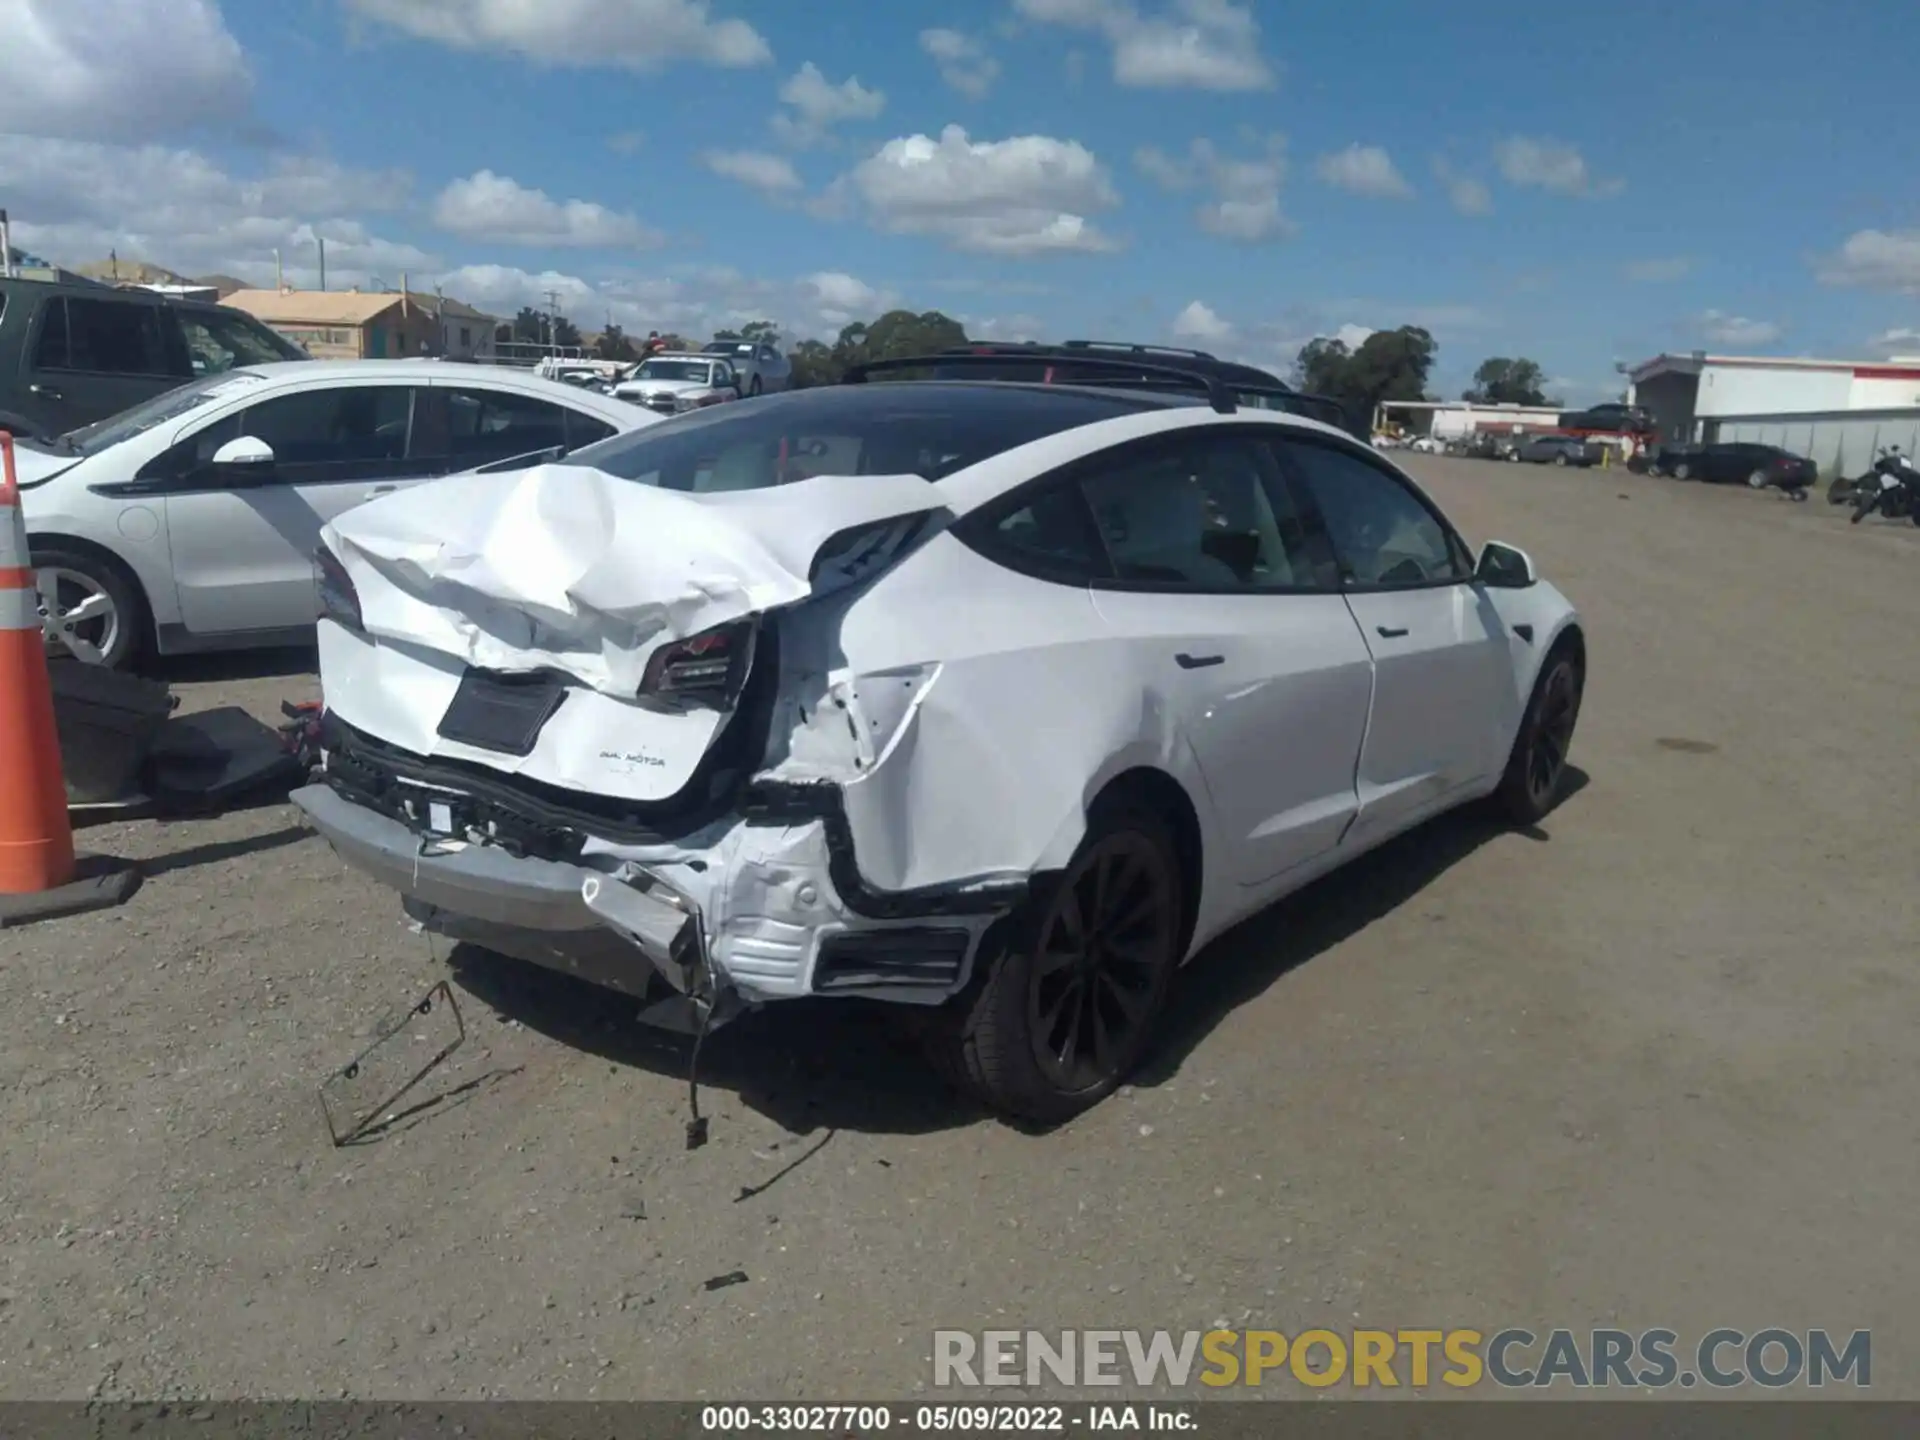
column 1065, row 1005
column 1552, row 735
column 1537, row 766
column 1097, row 960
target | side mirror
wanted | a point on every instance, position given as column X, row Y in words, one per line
column 247, row 451
column 1503, row 567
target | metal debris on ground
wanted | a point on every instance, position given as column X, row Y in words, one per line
column 365, row 1120
column 721, row 1282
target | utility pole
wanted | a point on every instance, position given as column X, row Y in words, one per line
column 6, row 246
column 553, row 318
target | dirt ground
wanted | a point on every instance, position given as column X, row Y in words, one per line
column 1655, row 1068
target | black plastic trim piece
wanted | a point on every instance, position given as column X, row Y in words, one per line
column 924, row 957
column 1219, row 394
column 780, row 802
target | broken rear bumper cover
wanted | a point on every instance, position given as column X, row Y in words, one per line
column 766, row 904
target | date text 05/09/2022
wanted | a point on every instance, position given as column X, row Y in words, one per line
column 952, row 1418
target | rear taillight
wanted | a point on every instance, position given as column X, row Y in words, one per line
column 708, row 668
column 339, row 601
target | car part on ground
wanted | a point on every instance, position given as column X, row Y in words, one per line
column 696, row 712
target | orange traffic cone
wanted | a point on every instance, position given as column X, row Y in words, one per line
column 36, row 838
column 39, row 875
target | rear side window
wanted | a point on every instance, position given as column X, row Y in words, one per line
column 584, row 429
column 495, row 424
column 925, row 429
column 103, row 337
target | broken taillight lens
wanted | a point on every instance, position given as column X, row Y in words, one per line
column 339, row 601
column 708, row 668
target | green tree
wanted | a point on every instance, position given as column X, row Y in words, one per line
column 564, row 331
column 896, row 334
column 813, row 364
column 1500, row 381
column 613, row 344
column 757, row 331
column 1387, row 365
column 530, row 326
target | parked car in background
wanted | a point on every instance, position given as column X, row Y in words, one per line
column 1760, row 466
column 1492, row 444
column 762, row 368
column 1611, row 418
column 672, row 383
column 961, row 696
column 1555, row 450
column 1661, row 458
column 190, row 522
column 74, row 353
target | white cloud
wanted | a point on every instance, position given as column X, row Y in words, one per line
column 1724, row 329
column 963, row 61
column 1245, row 190
column 1466, row 193
column 1875, row 260
column 75, row 201
column 1353, row 336
column 1195, row 44
column 839, row 299
column 1364, row 170
column 631, row 34
column 771, row 175
column 1200, row 321
column 1655, row 272
column 815, row 105
column 1541, row 164
column 491, row 207
column 1028, row 195
column 1014, row 329
column 1904, row 341
column 693, row 303
column 117, row 69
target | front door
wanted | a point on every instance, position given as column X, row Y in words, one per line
column 1236, row 625
column 243, row 537
column 1442, row 673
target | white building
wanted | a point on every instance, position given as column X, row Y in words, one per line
column 1838, row 413
column 1457, row 419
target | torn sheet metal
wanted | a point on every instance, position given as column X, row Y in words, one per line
column 567, row 567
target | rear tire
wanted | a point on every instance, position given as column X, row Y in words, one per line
column 1757, row 480
column 1560, row 459
column 1865, row 504
column 1683, row 471
column 1537, row 765
column 1095, row 952
column 753, row 387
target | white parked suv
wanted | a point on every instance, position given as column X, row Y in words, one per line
column 190, row 521
column 994, row 699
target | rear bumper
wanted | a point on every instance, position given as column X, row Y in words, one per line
column 505, row 901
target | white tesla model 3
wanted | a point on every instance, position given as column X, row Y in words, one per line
column 998, row 699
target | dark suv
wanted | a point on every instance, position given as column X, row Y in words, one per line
column 1053, row 364
column 1610, row 418
column 71, row 354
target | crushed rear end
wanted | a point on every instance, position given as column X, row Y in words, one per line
column 566, row 719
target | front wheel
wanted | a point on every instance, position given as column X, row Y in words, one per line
column 1066, row 1009
column 1537, row 765
column 1757, row 480
column 1559, row 459
column 90, row 610
column 1683, row 471
column 753, row 387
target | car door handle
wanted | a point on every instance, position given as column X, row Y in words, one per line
column 45, row 392
column 1390, row 632
column 1196, row 662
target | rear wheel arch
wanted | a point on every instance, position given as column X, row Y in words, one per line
column 1159, row 793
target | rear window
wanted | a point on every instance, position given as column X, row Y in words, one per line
column 930, row 430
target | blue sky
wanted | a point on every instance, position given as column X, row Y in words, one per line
column 1581, row 186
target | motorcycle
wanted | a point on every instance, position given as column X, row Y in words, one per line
column 1892, row 490
column 1889, row 463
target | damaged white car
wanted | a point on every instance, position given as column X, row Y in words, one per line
column 996, row 699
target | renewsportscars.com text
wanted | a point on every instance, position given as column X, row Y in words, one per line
column 1513, row 1358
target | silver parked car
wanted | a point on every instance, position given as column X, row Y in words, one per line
column 762, row 368
column 190, row 522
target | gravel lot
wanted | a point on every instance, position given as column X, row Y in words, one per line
column 1656, row 1068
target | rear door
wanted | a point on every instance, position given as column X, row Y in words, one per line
column 1443, row 680
column 243, row 537
column 89, row 358
column 1227, row 600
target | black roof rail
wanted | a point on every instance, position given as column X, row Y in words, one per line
column 1135, row 349
column 1219, row 394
